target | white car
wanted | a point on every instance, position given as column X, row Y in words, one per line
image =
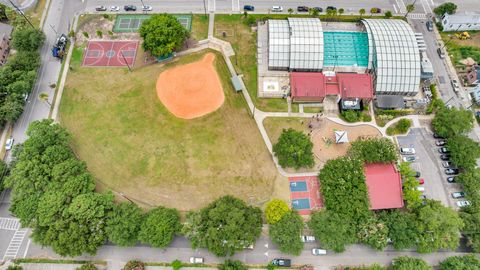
column 196, row 260
column 407, row 151
column 114, row 8
column 318, row 251
column 307, row 238
column 9, row 144
column 277, row 9
column 455, row 86
column 409, row 158
column 463, row 203
column 147, row 8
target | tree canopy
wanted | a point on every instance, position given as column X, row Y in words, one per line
column 464, row 151
column 409, row 186
column 451, row 122
column 275, row 210
column 87, row 266
column 232, row 265
column 374, row 150
column 409, row 263
column 28, row 39
column 224, row 226
column 123, row 224
column 162, row 34
column 294, row 149
column 286, row 233
column 374, row 233
column 447, row 7
column 332, row 230
column 467, row 262
column 160, row 226
column 401, row 228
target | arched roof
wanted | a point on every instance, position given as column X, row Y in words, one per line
column 393, row 56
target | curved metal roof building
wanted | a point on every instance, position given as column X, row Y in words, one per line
column 394, row 57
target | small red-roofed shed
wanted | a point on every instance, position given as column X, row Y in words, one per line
column 384, row 185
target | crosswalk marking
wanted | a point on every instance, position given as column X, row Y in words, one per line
column 15, row 244
column 417, row 16
column 9, row 224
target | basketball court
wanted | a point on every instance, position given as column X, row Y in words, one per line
column 126, row 23
column 110, row 53
column 305, row 194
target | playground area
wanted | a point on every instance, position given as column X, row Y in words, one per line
column 110, row 53
column 192, row 90
column 127, row 23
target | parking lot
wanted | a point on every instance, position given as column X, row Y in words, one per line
column 429, row 165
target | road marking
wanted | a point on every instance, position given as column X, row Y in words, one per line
column 266, row 245
column 15, row 244
column 26, row 249
column 395, row 8
column 266, row 253
column 11, row 224
column 417, row 16
column 401, row 6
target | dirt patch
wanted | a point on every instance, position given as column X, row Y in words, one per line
column 323, row 138
column 192, row 90
column 91, row 25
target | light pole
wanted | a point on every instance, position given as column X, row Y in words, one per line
column 204, row 8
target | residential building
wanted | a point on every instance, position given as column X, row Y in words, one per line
column 5, row 36
column 461, row 22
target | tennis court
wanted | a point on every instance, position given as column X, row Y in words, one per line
column 301, row 204
column 305, row 194
column 125, row 23
column 110, row 53
column 298, row 186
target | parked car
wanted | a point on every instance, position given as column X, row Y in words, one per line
column 100, row 8
column 437, row 136
column 407, row 151
column 422, row 189
column 409, row 158
column 318, row 251
column 463, row 203
column 277, row 9
column 421, row 181
column 147, row 8
column 440, row 142
column 376, row 10
column 282, row 262
column 130, row 8
column 417, row 174
column 319, row 9
column 447, row 164
column 451, row 171
column 455, row 85
column 249, row 8
column 9, row 144
column 451, row 179
column 196, row 260
column 458, row 195
column 114, row 8
column 443, row 150
column 429, row 25
column 445, row 156
column 423, row 197
column 302, row 9
column 307, row 238
column 331, row 8
column 441, row 53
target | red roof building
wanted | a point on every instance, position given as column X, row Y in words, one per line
column 314, row 86
column 384, row 185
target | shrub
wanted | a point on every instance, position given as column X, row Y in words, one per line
column 366, row 117
column 87, row 266
column 99, row 33
column 177, row 264
column 85, row 34
column 106, row 16
column 232, row 265
column 250, row 21
column 350, row 116
column 401, row 127
column 110, row 33
column 134, row 265
column 15, row 267
column 275, row 210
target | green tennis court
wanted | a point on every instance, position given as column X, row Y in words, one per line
column 125, row 23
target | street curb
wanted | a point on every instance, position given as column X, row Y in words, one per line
column 44, row 14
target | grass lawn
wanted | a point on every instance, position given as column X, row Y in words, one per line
column 199, row 26
column 132, row 144
column 35, row 13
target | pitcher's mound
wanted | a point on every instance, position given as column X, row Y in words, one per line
column 191, row 90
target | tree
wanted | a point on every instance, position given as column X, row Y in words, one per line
column 290, row 11
column 87, row 266
column 374, row 150
column 409, row 263
column 341, row 11
column 286, row 233
column 27, row 39
column 232, row 265
column 44, row 97
column 388, row 14
column 15, row 267
column 162, row 34
column 159, row 227
column 314, row 12
column 3, row 13
column 409, row 186
column 342, row 180
column 467, row 262
column 464, row 151
column 451, row 122
column 123, row 224
column 470, row 180
column 401, row 228
column 362, row 12
column 471, row 218
column 374, row 233
column 332, row 230
column 373, row 11
column 275, row 210
column 294, row 149
column 410, row 8
column 439, row 227
column 134, row 265
column 447, row 7
column 224, row 226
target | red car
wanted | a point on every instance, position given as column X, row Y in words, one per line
column 421, row 181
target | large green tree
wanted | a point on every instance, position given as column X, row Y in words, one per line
column 410, row 183
column 332, row 230
column 374, row 233
column 410, row 263
column 464, row 151
column 275, row 210
column 286, row 233
column 28, row 39
column 374, row 150
column 294, row 149
column 467, row 262
column 451, row 122
column 471, row 218
column 123, row 224
column 447, row 7
column 162, row 34
column 232, row 265
column 224, row 226
column 160, row 226
column 402, row 228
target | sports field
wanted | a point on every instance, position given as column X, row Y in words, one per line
column 132, row 22
column 133, row 145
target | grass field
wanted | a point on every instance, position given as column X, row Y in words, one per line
column 35, row 13
column 199, row 26
column 132, row 144
column 461, row 49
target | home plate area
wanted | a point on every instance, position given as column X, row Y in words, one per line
column 110, row 53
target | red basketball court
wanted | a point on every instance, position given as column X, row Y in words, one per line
column 110, row 53
column 305, row 194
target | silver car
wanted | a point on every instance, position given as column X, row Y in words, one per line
column 463, row 203
column 114, row 8
column 318, row 251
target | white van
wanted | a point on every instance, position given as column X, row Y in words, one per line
column 277, row 9
column 196, row 260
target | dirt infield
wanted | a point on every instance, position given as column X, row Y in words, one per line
column 323, row 138
column 192, row 90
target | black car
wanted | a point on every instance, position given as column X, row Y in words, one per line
column 130, row 8
column 437, row 136
column 451, row 171
column 331, row 8
column 445, row 157
column 101, row 8
column 417, row 174
column 319, row 9
column 282, row 262
column 249, row 8
column 429, row 25
column 443, row 150
column 302, row 9
column 451, row 179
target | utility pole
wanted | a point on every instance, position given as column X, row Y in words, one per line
column 51, row 26
column 413, row 5
column 21, row 12
column 125, row 59
column 205, row 8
